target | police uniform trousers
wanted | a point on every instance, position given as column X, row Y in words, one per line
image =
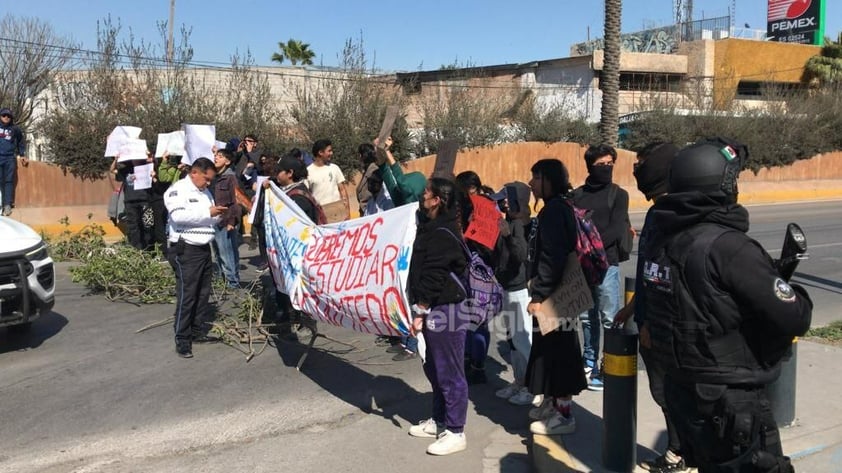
column 193, row 269
column 725, row 429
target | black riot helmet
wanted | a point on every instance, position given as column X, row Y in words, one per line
column 710, row 166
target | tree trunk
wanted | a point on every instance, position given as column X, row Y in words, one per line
column 609, row 80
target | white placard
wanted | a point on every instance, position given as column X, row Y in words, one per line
column 198, row 142
column 220, row 145
column 171, row 143
column 118, row 137
column 143, row 177
column 133, row 149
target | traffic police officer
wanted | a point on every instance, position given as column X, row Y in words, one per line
column 192, row 222
column 719, row 316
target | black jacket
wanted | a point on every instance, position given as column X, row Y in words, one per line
column 717, row 310
column 611, row 221
column 303, row 202
column 550, row 241
column 436, row 258
column 124, row 170
column 511, row 267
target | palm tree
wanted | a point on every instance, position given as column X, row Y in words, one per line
column 295, row 51
column 609, row 81
column 826, row 68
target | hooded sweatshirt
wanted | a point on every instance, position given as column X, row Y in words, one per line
column 12, row 141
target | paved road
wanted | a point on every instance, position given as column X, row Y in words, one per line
column 87, row 394
column 84, row 393
column 821, row 274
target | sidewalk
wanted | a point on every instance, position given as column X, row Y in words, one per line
column 814, row 442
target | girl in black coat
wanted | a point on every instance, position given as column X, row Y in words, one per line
column 555, row 368
column 438, row 260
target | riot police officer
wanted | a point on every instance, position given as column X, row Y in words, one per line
column 719, row 317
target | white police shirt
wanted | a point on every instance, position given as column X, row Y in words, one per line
column 189, row 213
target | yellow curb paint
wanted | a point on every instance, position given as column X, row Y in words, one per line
column 54, row 230
column 554, row 445
column 620, row 365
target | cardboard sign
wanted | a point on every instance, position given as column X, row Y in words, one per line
column 118, row 138
column 484, row 227
column 388, row 124
column 446, row 159
column 572, row 297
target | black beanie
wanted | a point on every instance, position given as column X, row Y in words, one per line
column 653, row 173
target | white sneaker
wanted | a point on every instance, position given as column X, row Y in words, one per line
column 508, row 391
column 427, row 429
column 542, row 412
column 522, row 398
column 556, row 424
column 448, row 443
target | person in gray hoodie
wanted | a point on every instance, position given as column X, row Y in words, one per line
column 12, row 146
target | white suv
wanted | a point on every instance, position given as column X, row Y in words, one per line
column 27, row 275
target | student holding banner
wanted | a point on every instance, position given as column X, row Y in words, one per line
column 436, row 295
column 555, row 368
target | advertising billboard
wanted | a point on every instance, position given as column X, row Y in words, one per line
column 796, row 21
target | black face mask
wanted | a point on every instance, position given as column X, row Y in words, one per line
column 651, row 180
column 601, row 175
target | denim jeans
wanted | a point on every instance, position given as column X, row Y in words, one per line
column 410, row 343
column 8, row 166
column 228, row 254
column 606, row 299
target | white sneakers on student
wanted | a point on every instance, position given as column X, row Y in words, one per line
column 508, row 391
column 426, row 429
column 556, row 424
column 522, row 398
column 447, row 443
column 543, row 411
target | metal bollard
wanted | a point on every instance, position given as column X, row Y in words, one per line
column 619, row 402
column 781, row 393
column 629, row 289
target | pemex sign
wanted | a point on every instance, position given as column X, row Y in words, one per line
column 796, row 21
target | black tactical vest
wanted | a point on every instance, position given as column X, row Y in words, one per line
column 695, row 326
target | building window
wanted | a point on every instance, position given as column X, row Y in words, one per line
column 757, row 90
column 650, row 82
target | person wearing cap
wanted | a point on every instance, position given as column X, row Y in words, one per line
column 719, row 316
column 12, row 146
column 290, row 175
column 227, row 238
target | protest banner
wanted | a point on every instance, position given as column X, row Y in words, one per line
column 446, row 159
column 571, row 298
column 198, row 142
column 170, row 143
column 133, row 149
column 484, row 227
column 118, row 137
column 385, row 132
column 351, row 274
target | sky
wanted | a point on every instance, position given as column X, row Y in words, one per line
column 397, row 36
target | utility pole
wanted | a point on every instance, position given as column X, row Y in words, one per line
column 170, row 32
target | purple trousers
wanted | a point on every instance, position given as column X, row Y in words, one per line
column 444, row 334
